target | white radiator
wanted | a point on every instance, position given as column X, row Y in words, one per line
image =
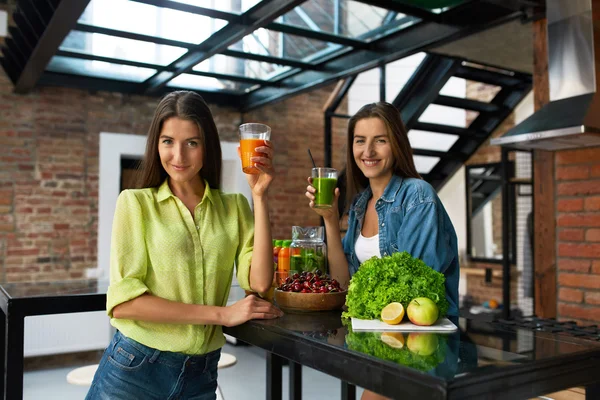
column 66, row 333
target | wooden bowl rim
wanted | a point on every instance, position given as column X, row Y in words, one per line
column 334, row 293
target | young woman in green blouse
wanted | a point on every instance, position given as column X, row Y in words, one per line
column 175, row 243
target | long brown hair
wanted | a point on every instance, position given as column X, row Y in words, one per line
column 404, row 164
column 190, row 106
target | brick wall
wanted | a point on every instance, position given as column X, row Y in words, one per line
column 577, row 176
column 49, row 170
column 49, row 174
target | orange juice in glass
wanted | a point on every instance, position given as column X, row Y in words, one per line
column 252, row 135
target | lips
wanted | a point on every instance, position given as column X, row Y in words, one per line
column 178, row 167
column 370, row 163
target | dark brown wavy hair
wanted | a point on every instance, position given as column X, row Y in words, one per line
column 189, row 106
column 404, row 165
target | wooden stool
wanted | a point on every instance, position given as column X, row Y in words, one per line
column 82, row 376
column 227, row 360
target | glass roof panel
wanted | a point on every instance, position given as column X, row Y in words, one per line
column 275, row 44
column 126, row 49
column 189, row 81
column 232, row 6
column 241, row 67
column 351, row 19
column 134, row 17
column 431, row 140
column 99, row 69
column 425, row 164
column 444, row 115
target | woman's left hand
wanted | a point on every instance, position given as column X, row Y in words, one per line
column 259, row 183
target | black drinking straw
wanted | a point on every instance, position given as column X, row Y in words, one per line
column 311, row 158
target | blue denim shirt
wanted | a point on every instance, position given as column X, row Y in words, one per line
column 412, row 219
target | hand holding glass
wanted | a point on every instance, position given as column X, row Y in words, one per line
column 252, row 135
column 324, row 180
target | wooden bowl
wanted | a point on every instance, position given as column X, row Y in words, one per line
column 307, row 302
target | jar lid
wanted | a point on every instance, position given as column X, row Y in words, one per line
column 314, row 233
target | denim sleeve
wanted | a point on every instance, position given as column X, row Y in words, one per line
column 423, row 236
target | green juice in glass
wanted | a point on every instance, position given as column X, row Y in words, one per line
column 325, row 189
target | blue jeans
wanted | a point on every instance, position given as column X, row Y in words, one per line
column 129, row 370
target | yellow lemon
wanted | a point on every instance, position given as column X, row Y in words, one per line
column 393, row 339
column 393, row 313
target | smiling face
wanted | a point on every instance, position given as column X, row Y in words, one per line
column 181, row 151
column 372, row 151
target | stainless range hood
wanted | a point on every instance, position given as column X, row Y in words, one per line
column 572, row 118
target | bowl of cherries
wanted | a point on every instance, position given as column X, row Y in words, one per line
column 310, row 291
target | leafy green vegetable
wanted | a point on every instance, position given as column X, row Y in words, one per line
column 370, row 343
column 399, row 277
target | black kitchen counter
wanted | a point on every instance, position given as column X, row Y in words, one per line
column 482, row 360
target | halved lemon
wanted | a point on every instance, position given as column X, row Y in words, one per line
column 393, row 339
column 393, row 313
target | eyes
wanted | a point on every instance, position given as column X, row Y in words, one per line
column 189, row 143
column 377, row 141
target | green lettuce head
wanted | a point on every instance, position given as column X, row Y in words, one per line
column 396, row 278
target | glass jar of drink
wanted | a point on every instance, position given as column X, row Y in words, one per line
column 308, row 250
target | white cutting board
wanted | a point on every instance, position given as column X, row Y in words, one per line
column 441, row 325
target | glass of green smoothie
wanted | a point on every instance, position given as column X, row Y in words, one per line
column 325, row 181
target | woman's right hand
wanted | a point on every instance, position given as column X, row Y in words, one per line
column 327, row 213
column 250, row 307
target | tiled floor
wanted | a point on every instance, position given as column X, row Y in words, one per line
column 250, row 369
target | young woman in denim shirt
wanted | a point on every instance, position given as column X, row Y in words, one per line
column 174, row 246
column 391, row 208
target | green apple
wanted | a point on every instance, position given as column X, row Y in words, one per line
column 423, row 344
column 422, row 311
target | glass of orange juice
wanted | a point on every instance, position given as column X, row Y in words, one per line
column 252, row 135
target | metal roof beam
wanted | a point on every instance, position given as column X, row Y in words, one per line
column 130, row 35
column 99, row 84
column 112, row 60
column 207, row 12
column 63, row 20
column 258, row 16
column 317, row 35
column 269, row 59
column 390, row 48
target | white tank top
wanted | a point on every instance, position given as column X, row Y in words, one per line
column 367, row 247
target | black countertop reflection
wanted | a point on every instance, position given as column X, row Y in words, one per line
column 478, row 345
column 459, row 363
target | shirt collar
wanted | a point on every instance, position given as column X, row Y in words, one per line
column 389, row 194
column 164, row 192
column 392, row 188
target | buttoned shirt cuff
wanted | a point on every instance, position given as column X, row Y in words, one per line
column 122, row 291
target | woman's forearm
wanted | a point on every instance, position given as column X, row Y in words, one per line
column 261, row 270
column 156, row 309
column 338, row 265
